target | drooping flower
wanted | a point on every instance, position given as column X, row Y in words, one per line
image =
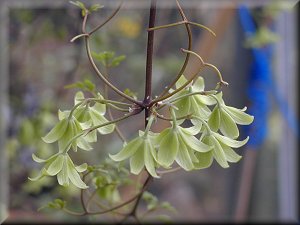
column 179, row 144
column 226, row 118
column 64, row 132
column 193, row 104
column 61, row 165
column 141, row 152
column 90, row 116
column 222, row 150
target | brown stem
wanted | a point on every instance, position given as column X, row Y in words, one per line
column 187, row 58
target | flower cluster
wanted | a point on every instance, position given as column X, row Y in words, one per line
column 182, row 145
column 70, row 132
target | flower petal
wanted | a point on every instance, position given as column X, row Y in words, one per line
column 204, row 160
column 230, row 142
column 149, row 162
column 56, row 166
column 183, row 158
column 181, row 81
column 81, row 168
column 168, row 148
column 137, row 161
column 41, row 174
column 239, row 116
column 218, row 152
column 198, row 84
column 231, row 155
column 214, row 119
column 62, row 176
column 79, row 97
column 184, row 107
column 227, row 125
column 194, row 143
column 57, row 132
column 74, row 176
column 99, row 119
column 128, row 150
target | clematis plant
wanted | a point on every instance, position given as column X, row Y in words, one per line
column 202, row 128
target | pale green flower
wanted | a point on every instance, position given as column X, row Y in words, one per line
column 90, row 116
column 61, row 165
column 222, row 151
column 226, row 118
column 194, row 104
column 179, row 144
column 141, row 152
column 63, row 132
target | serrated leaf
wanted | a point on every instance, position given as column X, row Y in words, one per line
column 57, row 132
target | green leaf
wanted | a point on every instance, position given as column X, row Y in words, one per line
column 95, row 7
column 128, row 150
column 78, row 4
column 56, row 166
column 218, row 152
column 230, row 142
column 227, row 126
column 117, row 60
column 137, row 161
column 130, row 93
column 239, row 116
column 168, row 147
column 168, row 206
column 79, row 85
column 89, row 85
column 214, row 119
column 57, row 132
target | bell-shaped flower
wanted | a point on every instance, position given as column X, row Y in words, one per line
column 65, row 132
column 222, row 151
column 90, row 116
column 61, row 165
column 179, row 144
column 193, row 104
column 226, row 118
column 141, row 152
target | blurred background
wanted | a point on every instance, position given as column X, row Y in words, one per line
column 256, row 50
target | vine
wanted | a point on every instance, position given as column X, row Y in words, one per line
column 212, row 135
